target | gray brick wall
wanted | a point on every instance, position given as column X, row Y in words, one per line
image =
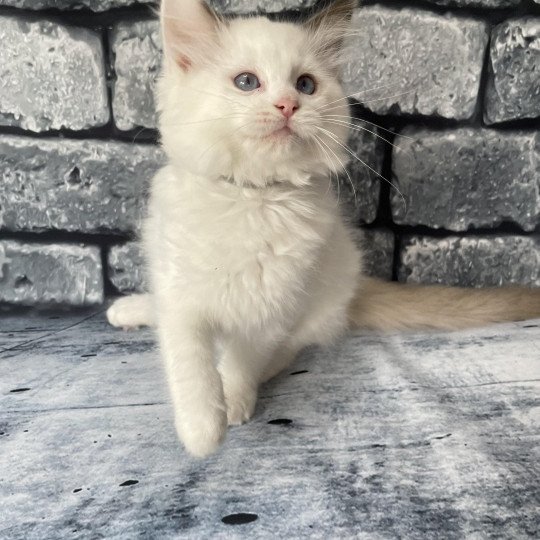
column 454, row 86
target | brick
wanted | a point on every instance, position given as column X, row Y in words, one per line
column 488, row 4
column 377, row 246
column 94, row 5
column 463, row 178
column 32, row 273
column 471, row 261
column 239, row 7
column 414, row 62
column 137, row 59
column 361, row 199
column 224, row 6
column 513, row 89
column 126, row 267
column 61, row 70
column 86, row 186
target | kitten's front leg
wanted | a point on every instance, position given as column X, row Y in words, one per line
column 242, row 366
column 194, row 382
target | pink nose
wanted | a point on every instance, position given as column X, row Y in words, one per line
column 287, row 106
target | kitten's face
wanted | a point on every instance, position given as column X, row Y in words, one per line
column 255, row 109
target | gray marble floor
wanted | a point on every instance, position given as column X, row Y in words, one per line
column 401, row 436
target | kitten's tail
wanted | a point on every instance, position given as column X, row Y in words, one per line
column 388, row 306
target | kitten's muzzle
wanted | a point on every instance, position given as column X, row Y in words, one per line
column 287, row 106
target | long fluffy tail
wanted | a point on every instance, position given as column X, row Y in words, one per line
column 387, row 306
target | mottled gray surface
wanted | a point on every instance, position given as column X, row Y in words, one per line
column 491, row 4
column 413, row 61
column 53, row 76
column 377, row 246
column 412, row 436
column 467, row 177
column 473, row 261
column 32, row 273
column 86, row 186
column 359, row 191
column 137, row 51
column 239, row 7
column 224, row 6
column 126, row 267
column 95, row 5
column 513, row 89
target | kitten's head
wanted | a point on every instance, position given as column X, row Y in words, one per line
column 251, row 98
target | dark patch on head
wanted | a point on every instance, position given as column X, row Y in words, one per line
column 129, row 483
column 239, row 519
column 16, row 390
column 300, row 372
column 76, row 490
column 280, row 422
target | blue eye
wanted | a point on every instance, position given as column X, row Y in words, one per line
column 247, row 82
column 306, row 85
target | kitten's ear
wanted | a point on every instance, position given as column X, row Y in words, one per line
column 189, row 29
column 329, row 25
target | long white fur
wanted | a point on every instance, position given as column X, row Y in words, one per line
column 249, row 257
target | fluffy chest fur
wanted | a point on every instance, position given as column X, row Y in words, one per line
column 244, row 254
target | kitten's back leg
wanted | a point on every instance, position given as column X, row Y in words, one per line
column 131, row 311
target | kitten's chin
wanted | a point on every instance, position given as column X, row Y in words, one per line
column 279, row 135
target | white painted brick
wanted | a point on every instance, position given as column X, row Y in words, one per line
column 415, row 62
column 70, row 185
column 53, row 76
column 32, row 273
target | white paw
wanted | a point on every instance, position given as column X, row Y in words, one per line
column 240, row 403
column 202, row 435
column 130, row 312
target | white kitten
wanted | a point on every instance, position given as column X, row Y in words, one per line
column 249, row 257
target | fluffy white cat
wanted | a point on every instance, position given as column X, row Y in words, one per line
column 249, row 257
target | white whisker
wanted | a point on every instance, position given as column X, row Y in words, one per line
column 356, row 94
column 371, row 100
column 348, row 117
column 347, row 149
column 228, row 134
column 179, row 124
column 346, row 172
column 358, row 128
column 319, row 141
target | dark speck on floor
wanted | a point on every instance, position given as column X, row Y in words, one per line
column 129, row 483
column 239, row 519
